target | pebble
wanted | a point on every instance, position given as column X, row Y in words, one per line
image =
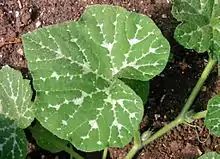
column 19, row 4
column 20, row 51
column 156, row 116
column 1, row 40
column 38, row 24
column 16, row 14
column 164, row 16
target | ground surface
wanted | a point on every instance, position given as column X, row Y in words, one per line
column 168, row 91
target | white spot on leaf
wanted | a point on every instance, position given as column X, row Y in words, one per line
column 84, row 137
column 56, row 106
column 55, row 75
column 99, row 143
column 133, row 41
column 108, row 46
column 93, row 124
column 139, row 27
column 64, row 122
column 43, row 79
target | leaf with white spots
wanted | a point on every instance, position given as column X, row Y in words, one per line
column 212, row 120
column 77, row 67
column 200, row 24
column 13, row 142
column 15, row 97
column 210, row 155
column 46, row 140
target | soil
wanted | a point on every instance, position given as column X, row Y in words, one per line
column 168, row 91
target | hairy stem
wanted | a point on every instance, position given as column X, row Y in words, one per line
column 105, row 153
column 181, row 118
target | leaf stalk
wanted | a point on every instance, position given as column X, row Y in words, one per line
column 137, row 146
column 181, row 117
column 105, row 153
column 198, row 86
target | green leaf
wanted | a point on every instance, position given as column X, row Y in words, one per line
column 141, row 88
column 13, row 143
column 200, row 24
column 76, row 69
column 146, row 135
column 210, row 155
column 15, row 97
column 212, row 120
column 46, row 140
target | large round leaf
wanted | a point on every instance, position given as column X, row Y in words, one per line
column 212, row 120
column 76, row 69
column 15, row 97
column 13, row 142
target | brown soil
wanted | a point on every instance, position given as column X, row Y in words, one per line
column 168, row 91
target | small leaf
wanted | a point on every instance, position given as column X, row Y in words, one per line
column 140, row 87
column 146, row 135
column 200, row 24
column 46, row 140
column 15, row 97
column 212, row 120
column 13, row 143
column 77, row 68
column 210, row 155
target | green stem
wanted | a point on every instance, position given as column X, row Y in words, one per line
column 198, row 86
column 135, row 147
column 164, row 130
column 105, row 153
column 137, row 138
column 161, row 132
column 200, row 115
column 72, row 153
column 181, row 118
